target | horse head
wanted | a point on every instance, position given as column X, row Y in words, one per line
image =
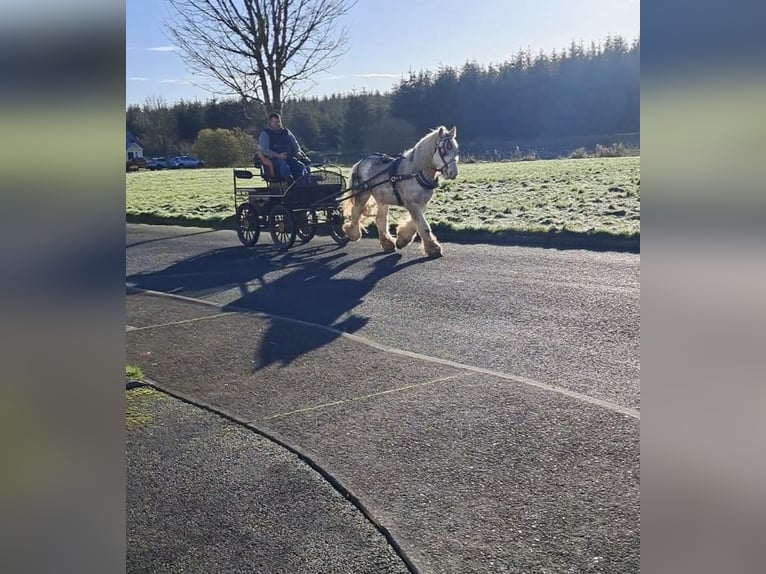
column 446, row 153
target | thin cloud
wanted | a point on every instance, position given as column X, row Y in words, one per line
column 174, row 81
column 162, row 49
column 139, row 79
column 346, row 76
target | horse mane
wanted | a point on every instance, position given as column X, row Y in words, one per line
column 422, row 152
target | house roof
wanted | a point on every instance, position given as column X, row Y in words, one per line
column 130, row 138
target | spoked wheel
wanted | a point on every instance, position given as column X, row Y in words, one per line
column 282, row 227
column 248, row 224
column 307, row 225
column 336, row 227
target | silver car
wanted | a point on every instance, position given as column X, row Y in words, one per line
column 187, row 161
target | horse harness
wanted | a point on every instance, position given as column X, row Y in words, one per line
column 394, row 178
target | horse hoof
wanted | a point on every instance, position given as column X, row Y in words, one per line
column 351, row 233
column 387, row 243
column 434, row 251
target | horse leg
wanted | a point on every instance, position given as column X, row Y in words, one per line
column 353, row 229
column 431, row 247
column 405, row 233
column 381, row 221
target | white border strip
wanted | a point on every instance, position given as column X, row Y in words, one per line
column 363, row 397
column 634, row 413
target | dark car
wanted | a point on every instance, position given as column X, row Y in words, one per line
column 159, row 163
column 135, row 163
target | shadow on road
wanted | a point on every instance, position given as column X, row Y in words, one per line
column 129, row 245
column 301, row 283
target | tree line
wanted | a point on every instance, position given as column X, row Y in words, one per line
column 569, row 96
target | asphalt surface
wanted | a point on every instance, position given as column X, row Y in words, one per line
column 477, row 413
column 208, row 495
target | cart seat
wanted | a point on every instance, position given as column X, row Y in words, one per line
column 266, row 167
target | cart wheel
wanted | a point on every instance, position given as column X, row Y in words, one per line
column 336, row 227
column 282, row 227
column 307, row 226
column 248, row 224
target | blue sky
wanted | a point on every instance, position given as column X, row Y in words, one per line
column 387, row 39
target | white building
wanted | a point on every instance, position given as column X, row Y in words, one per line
column 134, row 150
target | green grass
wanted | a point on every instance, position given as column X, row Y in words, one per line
column 133, row 373
column 581, row 196
column 137, row 411
column 138, row 406
column 584, row 196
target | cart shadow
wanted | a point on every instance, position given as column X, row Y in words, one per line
column 175, row 236
column 301, row 284
column 218, row 270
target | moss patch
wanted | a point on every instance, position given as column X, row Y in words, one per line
column 137, row 411
column 133, row 373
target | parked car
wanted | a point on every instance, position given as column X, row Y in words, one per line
column 159, row 163
column 187, row 161
column 135, row 163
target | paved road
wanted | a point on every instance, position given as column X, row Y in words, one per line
column 482, row 408
column 566, row 318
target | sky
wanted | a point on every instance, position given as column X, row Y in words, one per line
column 389, row 39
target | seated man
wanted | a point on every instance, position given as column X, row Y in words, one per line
column 279, row 145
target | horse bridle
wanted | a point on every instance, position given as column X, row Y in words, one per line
column 443, row 147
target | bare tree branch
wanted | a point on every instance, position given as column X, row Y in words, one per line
column 258, row 50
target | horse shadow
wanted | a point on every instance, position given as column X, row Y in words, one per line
column 304, row 284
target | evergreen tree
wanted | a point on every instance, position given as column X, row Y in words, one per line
column 359, row 113
column 573, row 92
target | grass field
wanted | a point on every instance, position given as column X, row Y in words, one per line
column 581, row 196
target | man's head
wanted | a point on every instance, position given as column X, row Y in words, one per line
column 275, row 121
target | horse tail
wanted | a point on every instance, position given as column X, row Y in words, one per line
column 358, row 195
column 347, row 204
column 369, row 211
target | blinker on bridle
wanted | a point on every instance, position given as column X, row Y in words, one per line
column 444, row 146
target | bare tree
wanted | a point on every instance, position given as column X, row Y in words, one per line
column 258, row 49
